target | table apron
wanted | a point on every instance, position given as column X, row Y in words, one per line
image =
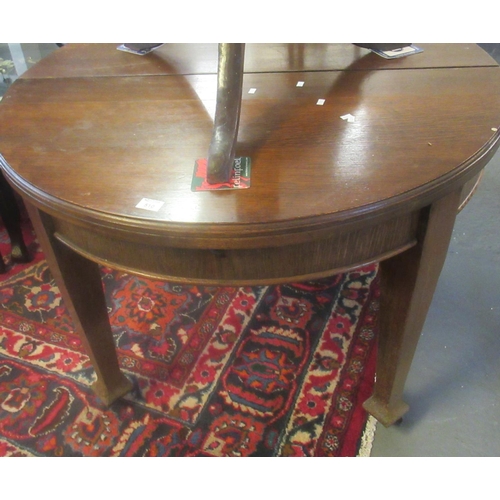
column 341, row 250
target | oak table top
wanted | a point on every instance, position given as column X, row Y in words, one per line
column 90, row 131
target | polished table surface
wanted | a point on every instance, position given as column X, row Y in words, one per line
column 90, row 131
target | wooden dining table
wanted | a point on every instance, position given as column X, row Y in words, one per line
column 354, row 159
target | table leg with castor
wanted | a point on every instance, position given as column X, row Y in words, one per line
column 408, row 282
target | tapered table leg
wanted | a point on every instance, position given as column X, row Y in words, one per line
column 79, row 281
column 408, row 282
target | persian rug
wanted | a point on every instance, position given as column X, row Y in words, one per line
column 217, row 371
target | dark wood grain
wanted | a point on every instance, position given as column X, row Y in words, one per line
column 90, row 131
column 337, row 251
column 147, row 132
column 91, row 60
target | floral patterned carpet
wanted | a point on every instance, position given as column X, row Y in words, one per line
column 217, row 371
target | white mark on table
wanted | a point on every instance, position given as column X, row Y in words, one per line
column 348, row 118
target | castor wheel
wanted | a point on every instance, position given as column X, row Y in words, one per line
column 399, row 421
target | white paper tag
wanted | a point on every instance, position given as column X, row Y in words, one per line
column 349, row 118
column 151, row 205
column 300, row 84
column 320, row 102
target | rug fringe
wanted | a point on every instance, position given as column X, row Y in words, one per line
column 367, row 437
